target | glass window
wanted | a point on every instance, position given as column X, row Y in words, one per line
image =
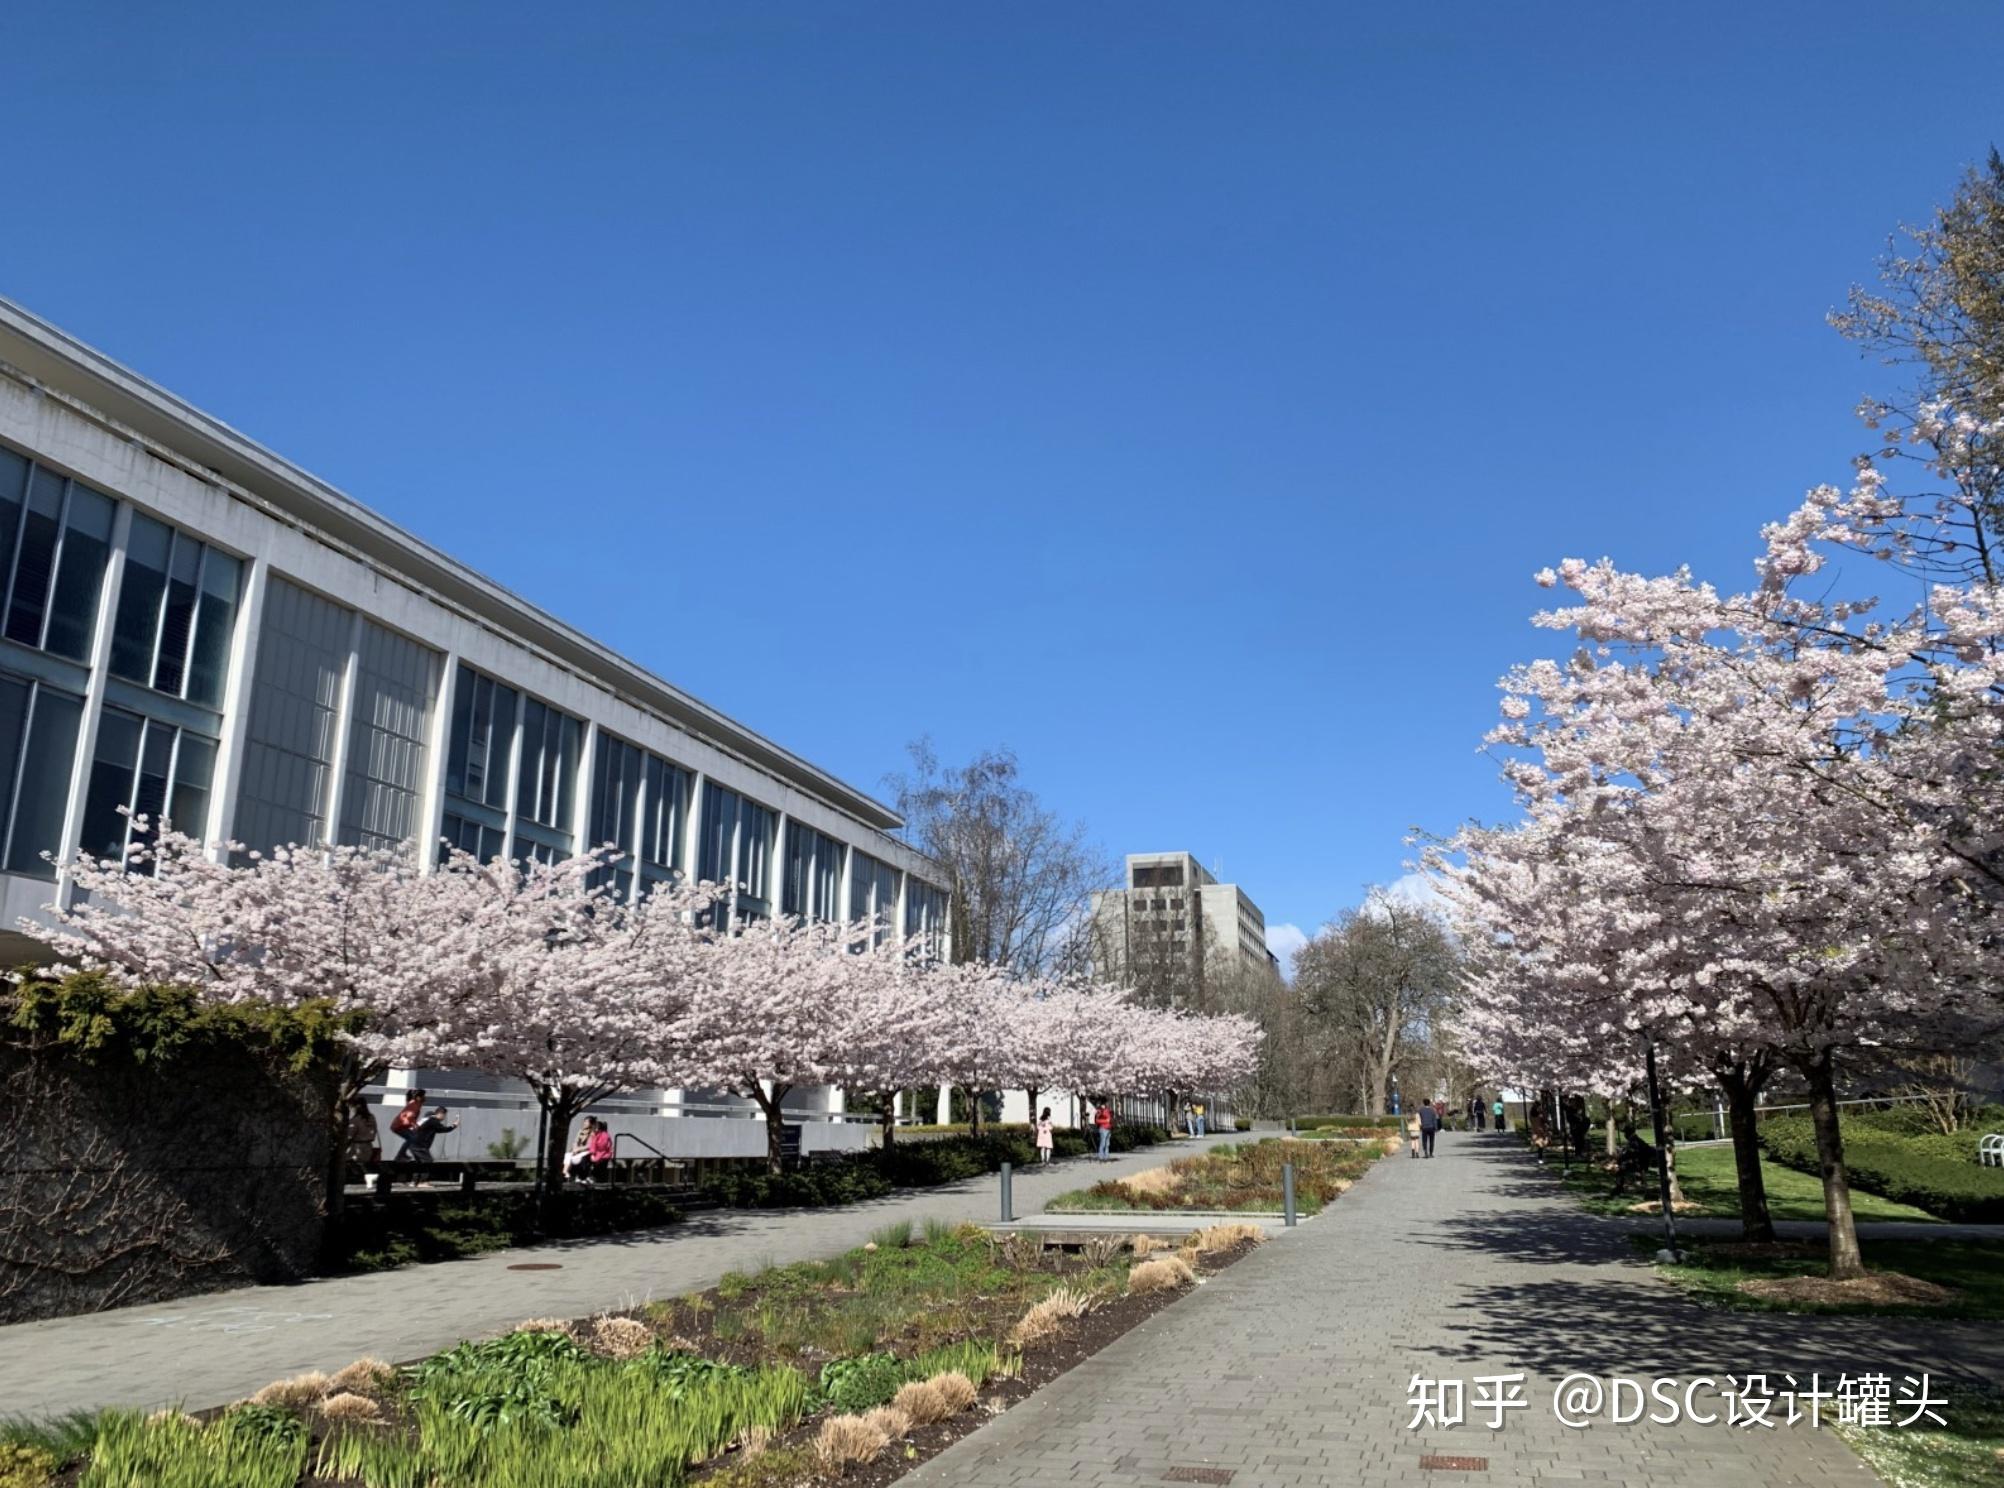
column 215, row 617
column 143, row 585
column 80, row 573
column 548, row 768
column 483, row 840
column 35, row 563
column 154, row 770
column 38, row 745
column 663, row 811
column 483, row 734
column 177, row 604
column 13, row 484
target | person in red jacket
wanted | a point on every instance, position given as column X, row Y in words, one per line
column 1103, row 1119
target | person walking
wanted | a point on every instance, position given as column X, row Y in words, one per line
column 1429, row 1124
column 406, row 1121
column 418, row 1140
column 1103, row 1119
column 1497, row 1111
column 1044, row 1136
column 1197, row 1115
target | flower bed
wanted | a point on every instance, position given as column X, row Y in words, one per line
column 795, row 1374
column 1243, row 1179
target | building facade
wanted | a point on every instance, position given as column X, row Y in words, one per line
column 193, row 628
column 1176, row 933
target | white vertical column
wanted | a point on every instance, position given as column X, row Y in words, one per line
column 904, row 890
column 581, row 790
column 344, row 710
column 438, row 754
column 692, row 829
column 236, row 698
column 514, row 780
column 776, row 866
column 100, row 665
column 945, row 1105
column 844, row 894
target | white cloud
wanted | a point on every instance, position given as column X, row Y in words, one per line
column 1284, row 941
column 1418, row 890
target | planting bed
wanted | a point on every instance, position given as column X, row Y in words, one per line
column 1243, row 1179
column 850, row 1370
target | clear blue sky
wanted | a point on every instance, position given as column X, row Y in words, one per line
column 1180, row 394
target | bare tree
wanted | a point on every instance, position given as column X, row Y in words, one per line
column 1022, row 877
column 1380, row 977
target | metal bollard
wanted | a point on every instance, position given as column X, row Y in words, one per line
column 1287, row 1194
column 1008, row 1208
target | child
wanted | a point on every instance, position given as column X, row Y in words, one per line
column 1044, row 1136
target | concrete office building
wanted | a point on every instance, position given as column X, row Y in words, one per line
column 190, row 626
column 1176, row 932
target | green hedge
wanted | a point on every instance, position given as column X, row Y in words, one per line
column 1909, row 1169
column 1310, row 1123
column 923, row 1164
column 403, row 1229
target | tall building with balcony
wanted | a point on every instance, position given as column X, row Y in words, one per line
column 192, row 627
column 1177, row 933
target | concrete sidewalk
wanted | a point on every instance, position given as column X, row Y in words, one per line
column 208, row 1350
column 1294, row 1367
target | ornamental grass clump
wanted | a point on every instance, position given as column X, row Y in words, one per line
column 293, row 1394
column 955, row 1390
column 1048, row 1317
column 844, row 1440
column 1221, row 1237
column 371, row 1377
column 922, row 1403
column 350, row 1407
column 1164, row 1274
column 620, row 1337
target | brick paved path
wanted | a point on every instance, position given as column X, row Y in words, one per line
column 1291, row 1368
column 204, row 1351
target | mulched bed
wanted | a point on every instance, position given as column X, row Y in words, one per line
column 1043, row 1363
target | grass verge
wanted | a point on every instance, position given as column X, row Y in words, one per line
column 1717, row 1273
column 1708, row 1179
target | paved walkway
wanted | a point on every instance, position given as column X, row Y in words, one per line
column 208, row 1350
column 1292, row 1368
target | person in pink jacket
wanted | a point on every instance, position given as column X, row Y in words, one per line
column 1044, row 1137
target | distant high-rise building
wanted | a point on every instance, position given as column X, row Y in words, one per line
column 1176, row 933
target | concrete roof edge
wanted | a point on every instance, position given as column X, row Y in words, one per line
column 60, row 359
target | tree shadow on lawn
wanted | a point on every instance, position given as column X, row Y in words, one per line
column 1638, row 1327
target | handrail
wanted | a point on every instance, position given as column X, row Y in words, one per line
column 632, row 1137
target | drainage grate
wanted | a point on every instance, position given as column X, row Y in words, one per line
column 1198, row 1475
column 536, row 1266
column 1434, row 1462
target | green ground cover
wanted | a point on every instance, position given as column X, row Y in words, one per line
column 1973, row 1269
column 1238, row 1179
column 1967, row 1452
column 1708, row 1179
column 1897, row 1154
column 696, row 1386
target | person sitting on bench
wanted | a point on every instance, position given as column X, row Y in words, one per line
column 598, row 1153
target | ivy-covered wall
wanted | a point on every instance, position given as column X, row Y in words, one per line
column 151, row 1146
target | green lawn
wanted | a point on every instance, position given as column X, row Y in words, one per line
column 1975, row 1268
column 1966, row 1453
column 1707, row 1177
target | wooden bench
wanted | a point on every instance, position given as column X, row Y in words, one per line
column 468, row 1174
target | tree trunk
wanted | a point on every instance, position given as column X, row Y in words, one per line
column 1846, row 1262
column 973, row 1110
column 1613, row 1146
column 773, row 1104
column 1741, row 1084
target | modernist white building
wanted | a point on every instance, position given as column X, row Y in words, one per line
column 191, row 626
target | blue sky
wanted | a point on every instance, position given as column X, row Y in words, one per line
column 1181, row 395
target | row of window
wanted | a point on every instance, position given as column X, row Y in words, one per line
column 511, row 760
